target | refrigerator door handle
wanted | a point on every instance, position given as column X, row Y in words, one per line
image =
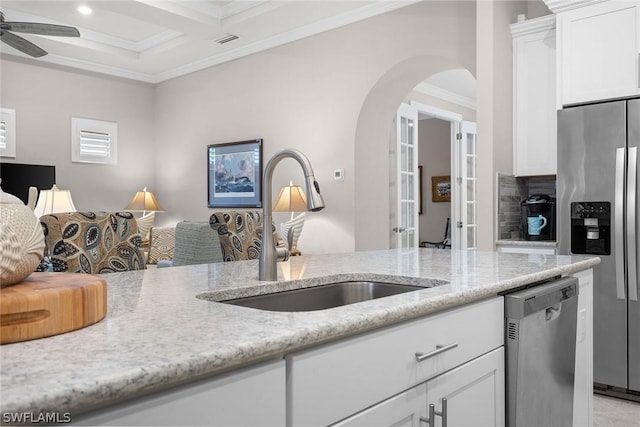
column 618, row 222
column 632, row 220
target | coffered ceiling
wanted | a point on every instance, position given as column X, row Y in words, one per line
column 155, row 40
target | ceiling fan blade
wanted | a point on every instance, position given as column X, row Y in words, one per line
column 42, row 29
column 23, row 45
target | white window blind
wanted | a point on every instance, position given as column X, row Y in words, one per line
column 7, row 132
column 94, row 141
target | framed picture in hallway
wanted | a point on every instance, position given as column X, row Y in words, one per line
column 234, row 173
column 441, row 188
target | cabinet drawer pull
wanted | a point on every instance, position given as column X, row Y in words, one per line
column 439, row 349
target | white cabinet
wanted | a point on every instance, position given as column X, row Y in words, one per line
column 534, row 97
column 598, row 48
column 253, row 396
column 404, row 410
column 368, row 369
column 474, row 393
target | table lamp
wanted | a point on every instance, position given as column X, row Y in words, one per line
column 291, row 199
column 144, row 201
column 54, row 201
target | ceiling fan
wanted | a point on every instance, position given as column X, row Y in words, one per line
column 24, row 45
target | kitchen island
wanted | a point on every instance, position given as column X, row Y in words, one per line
column 164, row 327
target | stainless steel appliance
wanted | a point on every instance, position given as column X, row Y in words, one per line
column 539, row 217
column 597, row 171
column 541, row 350
column 591, row 228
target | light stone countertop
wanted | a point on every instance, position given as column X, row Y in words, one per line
column 529, row 243
column 158, row 332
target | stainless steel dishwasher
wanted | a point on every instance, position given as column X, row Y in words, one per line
column 540, row 353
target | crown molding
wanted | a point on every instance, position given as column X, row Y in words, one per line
column 535, row 25
column 138, row 47
column 209, row 9
column 557, row 6
column 237, row 6
column 90, row 66
column 286, row 37
column 102, row 38
column 446, row 95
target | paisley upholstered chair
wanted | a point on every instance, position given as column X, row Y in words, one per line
column 92, row 242
column 240, row 233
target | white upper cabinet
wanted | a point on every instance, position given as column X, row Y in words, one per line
column 534, row 97
column 598, row 52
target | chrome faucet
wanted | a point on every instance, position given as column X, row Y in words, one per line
column 268, row 254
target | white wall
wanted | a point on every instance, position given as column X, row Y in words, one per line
column 447, row 41
column 494, row 112
column 310, row 95
column 45, row 100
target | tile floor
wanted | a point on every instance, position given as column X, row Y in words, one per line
column 611, row 412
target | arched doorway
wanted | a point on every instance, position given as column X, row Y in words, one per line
column 372, row 144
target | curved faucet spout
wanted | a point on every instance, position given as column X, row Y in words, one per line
column 268, row 257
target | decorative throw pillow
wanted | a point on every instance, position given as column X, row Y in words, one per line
column 161, row 243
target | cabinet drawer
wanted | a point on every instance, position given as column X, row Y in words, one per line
column 329, row 383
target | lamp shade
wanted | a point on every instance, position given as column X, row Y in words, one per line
column 144, row 201
column 290, row 199
column 54, row 201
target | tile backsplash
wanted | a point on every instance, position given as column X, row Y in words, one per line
column 511, row 192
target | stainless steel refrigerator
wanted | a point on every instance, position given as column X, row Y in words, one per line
column 598, row 214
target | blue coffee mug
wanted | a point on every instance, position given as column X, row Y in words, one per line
column 536, row 224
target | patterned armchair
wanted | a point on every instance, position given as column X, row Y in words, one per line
column 92, row 242
column 240, row 233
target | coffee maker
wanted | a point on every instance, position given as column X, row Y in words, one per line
column 539, row 217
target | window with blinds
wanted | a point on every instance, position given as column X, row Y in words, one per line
column 93, row 141
column 7, row 132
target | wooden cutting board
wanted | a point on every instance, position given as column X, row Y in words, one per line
column 46, row 304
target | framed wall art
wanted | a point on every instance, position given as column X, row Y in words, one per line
column 441, row 188
column 234, row 174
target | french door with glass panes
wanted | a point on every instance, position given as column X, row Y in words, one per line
column 406, row 221
column 465, row 209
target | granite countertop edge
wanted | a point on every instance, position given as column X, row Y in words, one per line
column 82, row 394
column 529, row 243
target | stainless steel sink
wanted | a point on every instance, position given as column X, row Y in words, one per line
column 323, row 296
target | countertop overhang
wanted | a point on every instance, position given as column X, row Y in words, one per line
column 159, row 333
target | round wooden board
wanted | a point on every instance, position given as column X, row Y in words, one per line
column 46, row 304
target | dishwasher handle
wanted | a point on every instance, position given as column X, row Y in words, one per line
column 523, row 303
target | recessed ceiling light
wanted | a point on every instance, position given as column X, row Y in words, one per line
column 84, row 10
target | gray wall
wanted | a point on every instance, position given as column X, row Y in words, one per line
column 47, row 97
